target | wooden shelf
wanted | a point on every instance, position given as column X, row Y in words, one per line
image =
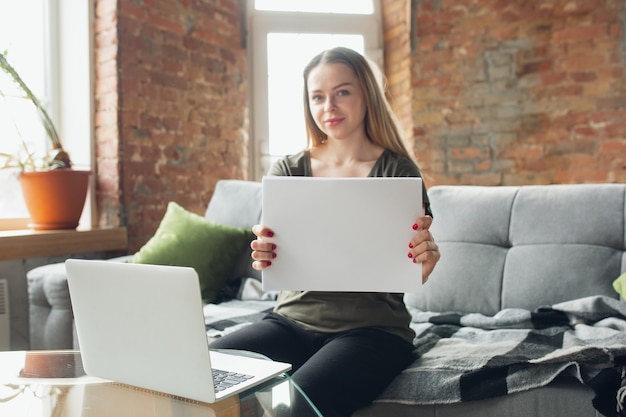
column 22, row 244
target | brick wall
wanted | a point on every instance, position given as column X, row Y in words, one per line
column 171, row 107
column 107, row 100
column 518, row 92
column 397, row 53
column 489, row 92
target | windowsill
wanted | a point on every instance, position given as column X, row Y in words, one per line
column 26, row 243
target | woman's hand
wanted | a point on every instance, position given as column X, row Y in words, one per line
column 423, row 247
column 262, row 251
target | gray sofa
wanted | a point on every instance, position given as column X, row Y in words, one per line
column 505, row 252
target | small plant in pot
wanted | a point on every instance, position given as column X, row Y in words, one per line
column 53, row 191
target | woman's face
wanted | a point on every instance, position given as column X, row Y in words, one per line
column 336, row 101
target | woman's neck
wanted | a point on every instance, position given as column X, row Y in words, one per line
column 344, row 159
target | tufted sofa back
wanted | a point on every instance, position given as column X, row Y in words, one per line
column 237, row 203
column 501, row 247
column 524, row 247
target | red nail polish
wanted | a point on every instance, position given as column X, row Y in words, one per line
column 410, row 255
column 411, row 245
column 273, row 255
column 273, row 246
column 415, row 226
column 415, row 260
column 269, row 234
column 268, row 263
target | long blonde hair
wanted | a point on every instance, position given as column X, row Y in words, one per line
column 380, row 122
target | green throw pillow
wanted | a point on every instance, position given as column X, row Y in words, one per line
column 187, row 239
column 620, row 285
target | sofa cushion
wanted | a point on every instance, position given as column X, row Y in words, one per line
column 237, row 203
column 187, row 239
column 523, row 247
column 471, row 227
column 570, row 236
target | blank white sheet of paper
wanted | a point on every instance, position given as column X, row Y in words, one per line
column 342, row 234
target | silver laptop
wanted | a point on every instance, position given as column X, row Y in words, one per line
column 143, row 325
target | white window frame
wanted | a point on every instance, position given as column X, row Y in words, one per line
column 260, row 23
column 69, row 84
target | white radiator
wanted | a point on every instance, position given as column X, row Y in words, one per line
column 5, row 321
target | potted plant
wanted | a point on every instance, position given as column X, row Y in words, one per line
column 53, row 191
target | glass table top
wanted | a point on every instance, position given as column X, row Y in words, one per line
column 54, row 384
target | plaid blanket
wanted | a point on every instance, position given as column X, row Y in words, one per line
column 228, row 316
column 464, row 357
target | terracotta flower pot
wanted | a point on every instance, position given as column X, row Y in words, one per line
column 55, row 199
column 51, row 364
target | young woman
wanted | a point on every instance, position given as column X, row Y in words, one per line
column 344, row 347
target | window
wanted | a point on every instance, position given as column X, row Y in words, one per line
column 25, row 48
column 284, row 36
column 49, row 44
column 318, row 6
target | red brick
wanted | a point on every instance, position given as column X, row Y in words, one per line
column 560, row 91
column 582, row 62
column 130, row 9
column 580, row 33
column 586, row 131
column 614, row 130
column 488, row 179
column 470, row 153
column 583, row 161
column 583, row 77
column 617, row 146
column 610, row 103
column 523, row 151
column 608, row 117
column 533, row 67
column 580, row 176
column 572, row 8
column 550, row 78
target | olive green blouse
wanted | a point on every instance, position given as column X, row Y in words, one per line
column 333, row 312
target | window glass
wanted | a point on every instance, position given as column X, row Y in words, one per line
column 53, row 58
column 317, row 6
column 284, row 36
column 22, row 38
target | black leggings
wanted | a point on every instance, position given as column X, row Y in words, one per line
column 339, row 372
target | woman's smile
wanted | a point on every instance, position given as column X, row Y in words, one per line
column 334, row 121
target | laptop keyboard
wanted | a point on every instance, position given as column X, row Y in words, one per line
column 227, row 379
